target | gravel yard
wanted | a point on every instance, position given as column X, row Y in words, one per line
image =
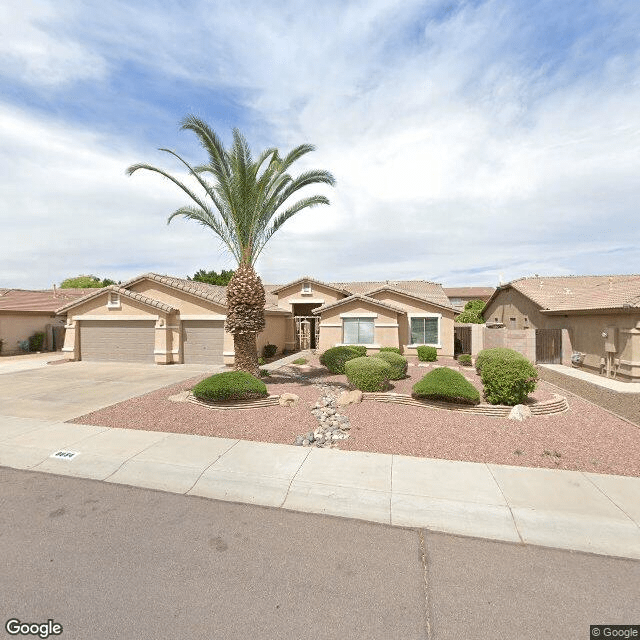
column 586, row 438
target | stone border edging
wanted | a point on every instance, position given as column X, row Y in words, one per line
column 241, row 404
column 558, row 404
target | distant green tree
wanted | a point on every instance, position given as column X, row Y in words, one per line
column 472, row 312
column 86, row 282
column 213, row 277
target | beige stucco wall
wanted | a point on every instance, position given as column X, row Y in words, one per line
column 512, row 304
column 412, row 306
column 384, row 336
column 291, row 295
column 15, row 327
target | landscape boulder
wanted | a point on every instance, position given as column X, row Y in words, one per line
column 520, row 412
column 288, row 399
column 349, row 397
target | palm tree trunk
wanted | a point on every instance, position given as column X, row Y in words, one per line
column 246, row 353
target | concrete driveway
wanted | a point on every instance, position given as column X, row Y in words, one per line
column 61, row 392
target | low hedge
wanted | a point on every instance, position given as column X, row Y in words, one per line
column 499, row 353
column 36, row 341
column 427, row 354
column 230, row 385
column 465, row 359
column 397, row 362
column 334, row 359
column 391, row 350
column 447, row 385
column 508, row 380
column 368, row 374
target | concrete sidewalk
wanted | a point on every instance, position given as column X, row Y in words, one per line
column 564, row 509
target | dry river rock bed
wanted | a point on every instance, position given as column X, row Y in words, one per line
column 585, row 438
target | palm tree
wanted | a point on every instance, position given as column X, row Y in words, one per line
column 244, row 203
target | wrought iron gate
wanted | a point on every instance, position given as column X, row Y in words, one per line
column 549, row 346
column 314, row 322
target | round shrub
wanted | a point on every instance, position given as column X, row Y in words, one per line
column 391, row 350
column 465, row 359
column 335, row 358
column 447, row 385
column 508, row 380
column 499, row 353
column 230, row 385
column 269, row 350
column 360, row 349
column 397, row 362
column 368, row 374
column 427, row 354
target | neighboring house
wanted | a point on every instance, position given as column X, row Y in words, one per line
column 459, row 296
column 161, row 319
column 24, row 312
column 597, row 317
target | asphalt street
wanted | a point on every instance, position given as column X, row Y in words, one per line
column 111, row 561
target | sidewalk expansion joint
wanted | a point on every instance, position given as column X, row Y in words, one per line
column 131, row 457
column 515, row 524
column 608, row 497
column 286, row 495
column 209, row 466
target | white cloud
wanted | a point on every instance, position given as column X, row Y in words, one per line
column 455, row 156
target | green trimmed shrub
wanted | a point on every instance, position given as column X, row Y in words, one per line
column 360, row 349
column 391, row 350
column 465, row 359
column 36, row 341
column 334, row 359
column 499, row 353
column 508, row 380
column 447, row 385
column 427, row 354
column 300, row 361
column 368, row 374
column 269, row 350
column 230, row 385
column 397, row 362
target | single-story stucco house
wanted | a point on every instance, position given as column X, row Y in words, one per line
column 595, row 319
column 161, row 319
column 25, row 312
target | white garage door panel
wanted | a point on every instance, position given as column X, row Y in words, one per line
column 113, row 341
column 203, row 341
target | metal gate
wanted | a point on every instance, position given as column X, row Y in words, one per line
column 315, row 330
column 549, row 346
column 462, row 340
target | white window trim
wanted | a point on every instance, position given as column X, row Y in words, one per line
column 114, row 305
column 306, row 289
column 426, row 314
column 350, row 316
column 387, row 324
column 293, row 301
column 355, row 344
column 335, row 325
column 148, row 318
column 358, row 315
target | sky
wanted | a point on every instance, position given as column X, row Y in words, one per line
column 472, row 141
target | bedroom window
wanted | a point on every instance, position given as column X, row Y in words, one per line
column 357, row 330
column 425, row 330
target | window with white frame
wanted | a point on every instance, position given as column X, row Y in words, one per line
column 306, row 287
column 425, row 330
column 357, row 330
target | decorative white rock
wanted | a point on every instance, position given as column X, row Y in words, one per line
column 520, row 412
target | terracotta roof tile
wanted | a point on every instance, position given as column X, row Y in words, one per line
column 45, row 300
column 362, row 298
column 482, row 293
column 425, row 289
column 564, row 293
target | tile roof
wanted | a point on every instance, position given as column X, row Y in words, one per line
column 134, row 295
column 274, row 288
column 362, row 298
column 469, row 292
column 567, row 293
column 45, row 300
column 415, row 296
column 424, row 289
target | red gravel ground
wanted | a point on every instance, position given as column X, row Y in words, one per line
column 586, row 438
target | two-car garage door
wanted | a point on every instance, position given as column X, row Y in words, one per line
column 117, row 341
column 133, row 341
column 202, row 341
